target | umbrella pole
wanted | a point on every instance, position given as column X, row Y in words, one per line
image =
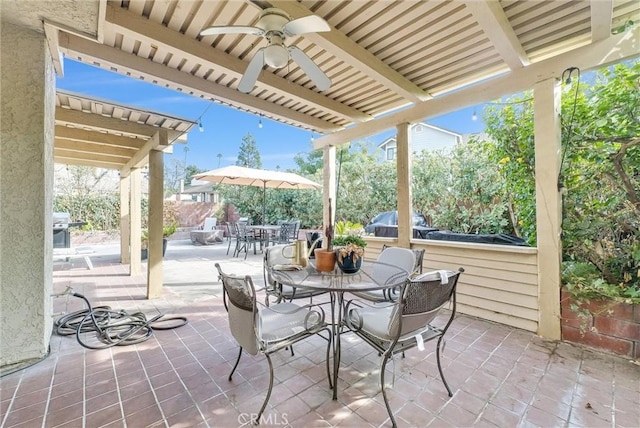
column 264, row 201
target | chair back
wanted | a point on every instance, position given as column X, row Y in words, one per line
column 422, row 297
column 242, row 230
column 242, row 309
column 419, row 257
column 393, row 256
column 231, row 229
column 273, row 255
column 210, row 223
column 287, row 232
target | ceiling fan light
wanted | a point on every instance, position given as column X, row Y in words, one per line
column 276, row 56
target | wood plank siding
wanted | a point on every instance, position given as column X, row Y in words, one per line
column 500, row 282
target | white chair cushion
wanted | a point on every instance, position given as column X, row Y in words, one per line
column 283, row 320
column 375, row 320
column 441, row 275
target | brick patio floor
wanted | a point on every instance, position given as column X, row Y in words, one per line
column 500, row 376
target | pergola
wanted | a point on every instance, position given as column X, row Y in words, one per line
column 100, row 133
column 391, row 63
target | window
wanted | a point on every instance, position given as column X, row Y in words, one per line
column 418, row 128
column 391, row 153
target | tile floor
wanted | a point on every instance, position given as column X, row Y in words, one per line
column 501, row 376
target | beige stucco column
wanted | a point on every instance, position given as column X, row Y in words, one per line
column 328, row 186
column 547, row 97
column 26, row 194
column 156, row 196
column 125, row 220
column 135, row 226
column 403, row 168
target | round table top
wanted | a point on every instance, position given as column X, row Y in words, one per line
column 373, row 275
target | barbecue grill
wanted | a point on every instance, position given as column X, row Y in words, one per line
column 61, row 234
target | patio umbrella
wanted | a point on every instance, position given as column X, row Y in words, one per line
column 242, row 176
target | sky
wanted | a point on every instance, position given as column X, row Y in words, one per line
column 223, row 127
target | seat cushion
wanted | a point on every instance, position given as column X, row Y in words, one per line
column 284, row 320
column 375, row 320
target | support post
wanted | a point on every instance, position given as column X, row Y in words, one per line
column 156, row 199
column 547, row 97
column 125, row 221
column 135, row 268
column 27, row 120
column 403, row 168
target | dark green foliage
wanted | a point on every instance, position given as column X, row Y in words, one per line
column 342, row 240
column 100, row 211
column 249, row 155
column 600, row 179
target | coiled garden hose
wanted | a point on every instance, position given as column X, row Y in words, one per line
column 112, row 327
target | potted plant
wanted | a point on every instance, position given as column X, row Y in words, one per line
column 350, row 247
column 167, row 230
column 326, row 257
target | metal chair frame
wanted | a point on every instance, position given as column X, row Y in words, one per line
column 273, row 287
column 411, row 316
column 293, row 323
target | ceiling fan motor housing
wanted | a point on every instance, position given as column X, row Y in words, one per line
column 273, row 20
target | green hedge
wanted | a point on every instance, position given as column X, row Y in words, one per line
column 100, row 212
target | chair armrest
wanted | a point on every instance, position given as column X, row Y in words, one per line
column 314, row 318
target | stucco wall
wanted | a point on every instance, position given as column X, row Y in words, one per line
column 26, row 183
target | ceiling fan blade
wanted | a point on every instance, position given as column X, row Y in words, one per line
column 307, row 24
column 314, row 72
column 232, row 29
column 250, row 76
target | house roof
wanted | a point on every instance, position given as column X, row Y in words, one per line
column 413, row 125
column 198, row 188
column 95, row 132
column 393, row 61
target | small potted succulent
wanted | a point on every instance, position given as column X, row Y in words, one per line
column 349, row 246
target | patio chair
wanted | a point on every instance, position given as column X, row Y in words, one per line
column 274, row 256
column 244, row 239
column 231, row 234
column 403, row 258
column 394, row 328
column 288, row 233
column 260, row 329
column 419, row 254
column 207, row 233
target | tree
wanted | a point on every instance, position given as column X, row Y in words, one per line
column 249, row 155
column 247, row 199
column 460, row 191
column 600, row 176
column 189, row 172
column 80, row 181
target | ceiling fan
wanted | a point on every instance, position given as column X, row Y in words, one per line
column 275, row 26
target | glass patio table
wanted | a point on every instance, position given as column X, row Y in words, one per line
column 373, row 275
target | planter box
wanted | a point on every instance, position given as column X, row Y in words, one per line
column 607, row 326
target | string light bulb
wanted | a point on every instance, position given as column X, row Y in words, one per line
column 474, row 116
column 260, row 123
column 312, row 137
column 200, row 126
